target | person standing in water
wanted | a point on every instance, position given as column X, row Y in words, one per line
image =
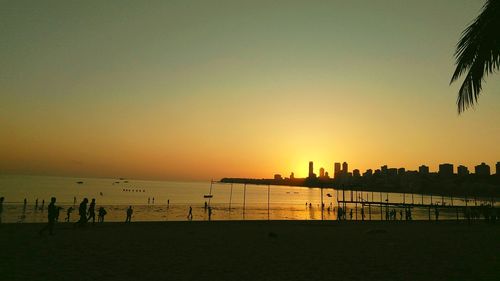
column 52, row 215
column 101, row 214
column 190, row 214
column 68, row 213
column 82, row 212
column 91, row 211
column 129, row 214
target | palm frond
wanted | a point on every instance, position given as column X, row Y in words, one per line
column 477, row 54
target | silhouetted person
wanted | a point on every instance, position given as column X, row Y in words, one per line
column 350, row 214
column 206, row 206
column 82, row 212
column 101, row 213
column 36, row 204
column 91, row 211
column 1, row 207
column 339, row 213
column 209, row 213
column 168, row 203
column 43, row 205
column 68, row 213
column 436, row 212
column 129, row 214
column 190, row 214
column 25, row 203
column 153, row 201
column 401, row 214
column 52, row 216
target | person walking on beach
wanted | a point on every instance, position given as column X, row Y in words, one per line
column 190, row 214
column 129, row 214
column 52, row 216
column 168, row 203
column 101, row 214
column 68, row 213
column 1, row 207
column 91, row 211
column 153, row 201
column 24, row 204
column 82, row 212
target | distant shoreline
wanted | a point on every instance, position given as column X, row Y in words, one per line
column 432, row 184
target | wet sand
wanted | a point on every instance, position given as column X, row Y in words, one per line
column 259, row 250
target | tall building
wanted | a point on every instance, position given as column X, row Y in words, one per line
column 498, row 169
column 355, row 173
column 392, row 172
column 383, row 170
column 462, row 170
column 424, row 170
column 336, row 169
column 345, row 168
column 446, row 169
column 277, row 177
column 321, row 172
column 368, row 173
column 311, row 169
column 482, row 170
column 327, row 175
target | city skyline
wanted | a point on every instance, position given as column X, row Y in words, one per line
column 342, row 169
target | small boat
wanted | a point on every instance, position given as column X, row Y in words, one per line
column 79, row 182
column 208, row 196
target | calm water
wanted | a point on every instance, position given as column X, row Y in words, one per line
column 228, row 203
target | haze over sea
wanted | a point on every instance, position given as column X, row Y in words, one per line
column 172, row 200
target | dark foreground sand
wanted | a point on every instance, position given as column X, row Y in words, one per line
column 284, row 250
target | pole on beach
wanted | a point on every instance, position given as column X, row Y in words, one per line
column 244, row 198
column 381, row 211
column 230, row 197
column 268, row 195
column 322, row 203
column 356, row 206
column 210, row 193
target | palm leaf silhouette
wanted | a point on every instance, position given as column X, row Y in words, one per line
column 477, row 54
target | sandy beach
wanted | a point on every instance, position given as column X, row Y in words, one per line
column 259, row 250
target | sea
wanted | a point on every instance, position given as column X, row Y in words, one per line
column 171, row 200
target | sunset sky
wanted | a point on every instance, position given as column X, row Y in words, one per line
column 193, row 90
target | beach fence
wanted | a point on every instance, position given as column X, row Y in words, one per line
column 354, row 204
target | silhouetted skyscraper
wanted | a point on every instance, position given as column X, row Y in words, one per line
column 482, row 170
column 311, row 169
column 368, row 173
column 321, row 172
column 424, row 170
column 336, row 170
column 462, row 170
column 446, row 169
column 355, row 173
column 345, row 168
column 383, row 170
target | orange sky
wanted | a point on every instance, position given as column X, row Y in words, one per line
column 193, row 92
